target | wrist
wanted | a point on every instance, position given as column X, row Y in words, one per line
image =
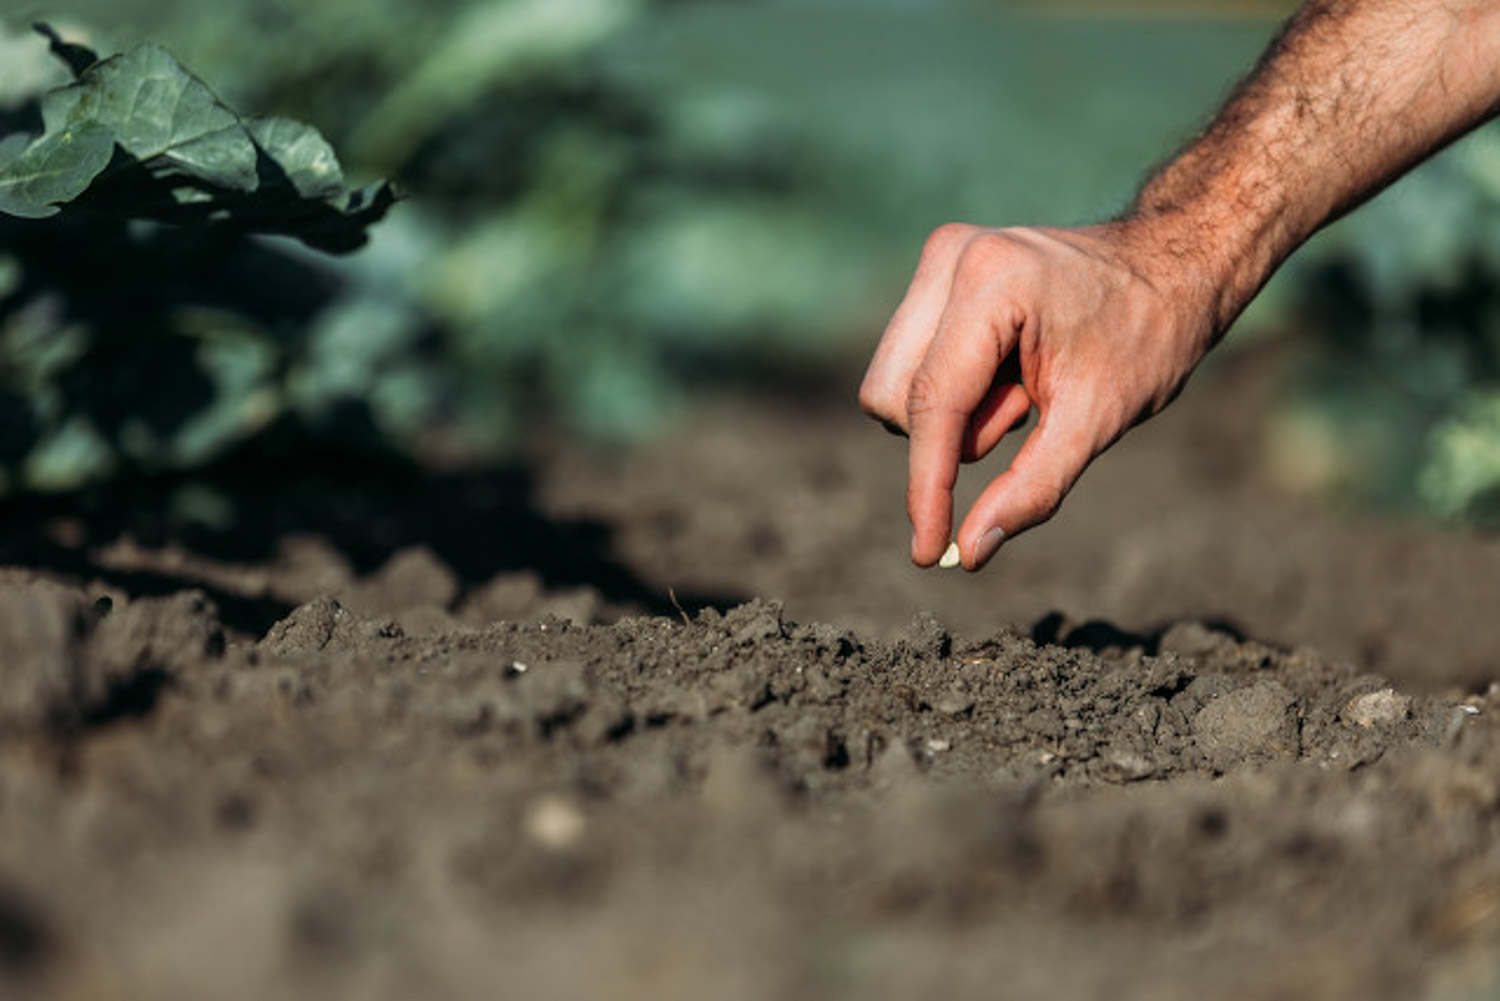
column 1209, row 262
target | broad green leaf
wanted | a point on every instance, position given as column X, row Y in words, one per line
column 159, row 112
column 35, row 177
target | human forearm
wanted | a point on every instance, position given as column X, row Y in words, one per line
column 1351, row 94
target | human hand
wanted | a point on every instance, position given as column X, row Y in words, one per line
column 1096, row 328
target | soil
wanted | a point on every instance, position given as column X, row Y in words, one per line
column 680, row 722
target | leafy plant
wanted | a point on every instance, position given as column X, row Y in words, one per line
column 138, row 136
column 139, row 329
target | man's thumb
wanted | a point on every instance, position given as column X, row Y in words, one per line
column 1026, row 494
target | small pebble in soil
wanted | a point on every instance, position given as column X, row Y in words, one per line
column 1374, row 708
column 950, row 557
column 937, row 746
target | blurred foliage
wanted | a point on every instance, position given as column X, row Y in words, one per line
column 1400, row 401
column 618, row 205
column 124, row 340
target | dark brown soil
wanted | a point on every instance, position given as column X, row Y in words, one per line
column 1190, row 740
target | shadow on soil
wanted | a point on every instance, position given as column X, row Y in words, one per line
column 480, row 524
column 1098, row 636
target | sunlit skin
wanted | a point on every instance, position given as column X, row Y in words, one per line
column 1097, row 328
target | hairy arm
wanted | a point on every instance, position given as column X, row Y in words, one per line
column 1349, row 96
column 1098, row 328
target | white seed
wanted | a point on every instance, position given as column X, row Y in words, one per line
column 950, row 558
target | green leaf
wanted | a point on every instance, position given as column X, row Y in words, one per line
column 160, row 114
column 137, row 136
column 36, row 176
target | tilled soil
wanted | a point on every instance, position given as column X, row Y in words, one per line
column 419, row 782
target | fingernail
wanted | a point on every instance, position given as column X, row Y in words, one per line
column 986, row 546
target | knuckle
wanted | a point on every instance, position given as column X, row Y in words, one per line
column 924, row 395
column 994, row 253
column 988, row 248
column 984, row 258
column 948, row 235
